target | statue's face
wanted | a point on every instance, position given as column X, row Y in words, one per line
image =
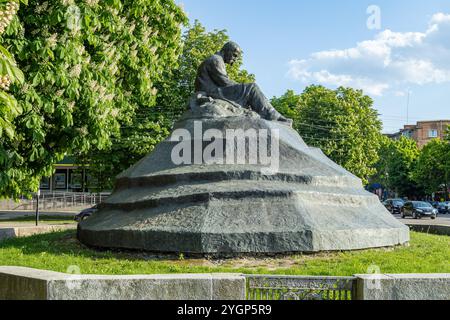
column 231, row 56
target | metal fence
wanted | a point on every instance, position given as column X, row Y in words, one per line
column 56, row 200
column 262, row 287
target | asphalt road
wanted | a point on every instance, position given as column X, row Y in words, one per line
column 442, row 219
column 16, row 214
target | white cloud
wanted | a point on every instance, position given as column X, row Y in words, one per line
column 440, row 18
column 387, row 62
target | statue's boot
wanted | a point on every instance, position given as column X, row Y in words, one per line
column 274, row 115
column 262, row 105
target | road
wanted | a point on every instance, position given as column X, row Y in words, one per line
column 443, row 220
column 6, row 215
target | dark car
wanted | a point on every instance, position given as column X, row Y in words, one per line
column 394, row 205
column 444, row 207
column 418, row 209
column 86, row 213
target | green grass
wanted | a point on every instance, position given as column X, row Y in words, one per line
column 57, row 251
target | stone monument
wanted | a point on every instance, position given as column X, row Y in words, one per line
column 235, row 178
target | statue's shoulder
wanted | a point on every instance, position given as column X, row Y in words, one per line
column 215, row 59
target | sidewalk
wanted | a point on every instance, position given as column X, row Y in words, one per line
column 14, row 229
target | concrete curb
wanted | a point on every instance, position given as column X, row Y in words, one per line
column 432, row 229
column 20, row 283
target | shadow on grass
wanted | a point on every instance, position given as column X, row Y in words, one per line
column 66, row 242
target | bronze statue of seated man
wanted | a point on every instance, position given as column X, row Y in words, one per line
column 213, row 80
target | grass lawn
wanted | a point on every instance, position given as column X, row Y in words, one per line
column 57, row 251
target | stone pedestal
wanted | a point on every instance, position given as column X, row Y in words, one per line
column 308, row 204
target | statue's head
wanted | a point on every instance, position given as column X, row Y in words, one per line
column 231, row 52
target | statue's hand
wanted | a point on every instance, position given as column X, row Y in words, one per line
column 201, row 99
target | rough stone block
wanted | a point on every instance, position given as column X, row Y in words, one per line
column 403, row 287
column 25, row 283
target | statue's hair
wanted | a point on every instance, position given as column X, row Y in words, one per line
column 231, row 46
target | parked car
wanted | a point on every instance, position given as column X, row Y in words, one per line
column 435, row 204
column 418, row 209
column 442, row 208
column 394, row 205
column 86, row 213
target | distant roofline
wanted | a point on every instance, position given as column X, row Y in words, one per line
column 433, row 121
column 416, row 125
column 408, row 127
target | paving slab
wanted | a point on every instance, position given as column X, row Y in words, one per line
column 15, row 231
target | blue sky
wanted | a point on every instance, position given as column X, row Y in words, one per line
column 289, row 44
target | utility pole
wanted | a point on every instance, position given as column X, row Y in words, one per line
column 38, row 194
column 407, row 107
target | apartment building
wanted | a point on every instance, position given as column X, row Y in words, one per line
column 423, row 131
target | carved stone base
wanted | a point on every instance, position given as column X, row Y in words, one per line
column 310, row 204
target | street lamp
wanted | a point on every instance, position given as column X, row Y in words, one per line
column 38, row 194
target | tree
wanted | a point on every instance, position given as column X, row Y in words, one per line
column 394, row 169
column 152, row 125
column 289, row 105
column 90, row 67
column 432, row 170
column 341, row 122
column 10, row 74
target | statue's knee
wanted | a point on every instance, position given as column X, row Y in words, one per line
column 254, row 87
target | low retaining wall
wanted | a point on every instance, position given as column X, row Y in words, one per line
column 21, row 283
column 403, row 287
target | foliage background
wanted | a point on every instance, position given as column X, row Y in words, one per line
column 341, row 122
column 432, row 169
column 9, row 108
column 89, row 66
column 394, row 168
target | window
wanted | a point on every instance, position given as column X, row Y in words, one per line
column 433, row 133
column 407, row 133
column 75, row 180
column 60, row 180
column 45, row 183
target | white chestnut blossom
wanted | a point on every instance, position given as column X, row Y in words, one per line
column 52, row 41
column 75, row 71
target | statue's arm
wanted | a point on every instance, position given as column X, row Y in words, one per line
column 218, row 73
